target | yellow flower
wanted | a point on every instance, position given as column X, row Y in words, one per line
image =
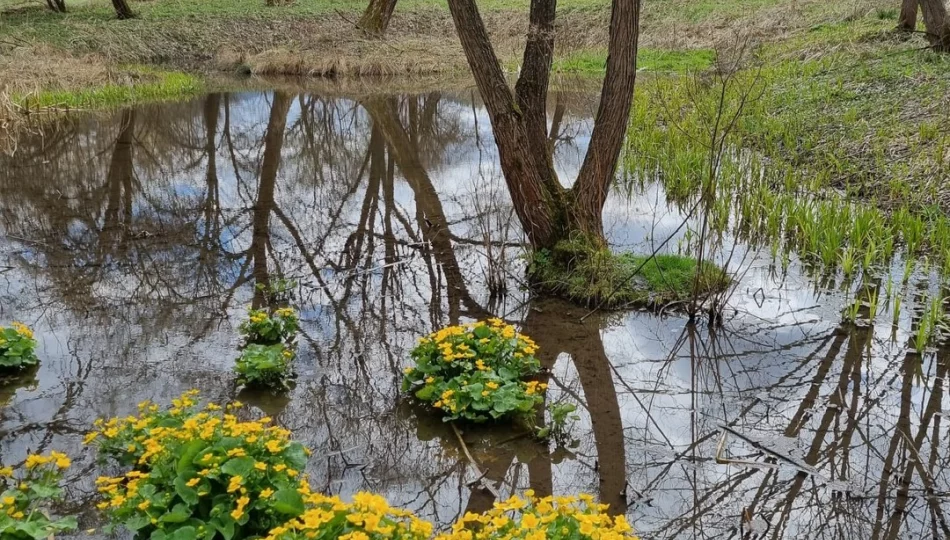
column 22, row 330
column 235, row 483
column 193, row 482
column 260, row 466
column 6, row 471
column 62, row 460
column 34, row 460
column 266, row 492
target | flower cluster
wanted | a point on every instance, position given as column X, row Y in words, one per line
column 17, row 347
column 200, row 473
column 368, row 517
column 23, row 498
column 268, row 351
column 266, row 327
column 566, row 518
column 476, row 372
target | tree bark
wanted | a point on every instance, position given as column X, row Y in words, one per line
column 122, row 9
column 59, row 6
column 908, row 17
column 376, row 17
column 538, row 209
column 532, row 87
column 613, row 114
column 937, row 23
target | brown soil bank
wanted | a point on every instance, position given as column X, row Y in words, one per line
column 87, row 48
column 319, row 37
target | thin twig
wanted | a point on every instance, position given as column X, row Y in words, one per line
column 481, row 475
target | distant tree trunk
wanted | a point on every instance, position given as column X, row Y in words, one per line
column 59, row 6
column 937, row 23
column 548, row 212
column 908, row 17
column 122, row 9
column 377, row 15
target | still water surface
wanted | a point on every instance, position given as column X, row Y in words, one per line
column 131, row 242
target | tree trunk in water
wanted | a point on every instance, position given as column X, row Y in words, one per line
column 937, row 24
column 613, row 114
column 375, row 19
column 548, row 212
column 908, row 18
column 122, row 9
column 59, row 6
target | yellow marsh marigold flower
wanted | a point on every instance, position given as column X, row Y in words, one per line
column 235, row 484
column 22, row 329
column 35, row 460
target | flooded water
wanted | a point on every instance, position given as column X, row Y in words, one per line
column 131, row 243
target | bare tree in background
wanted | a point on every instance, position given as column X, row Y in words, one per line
column 376, row 17
column 548, row 211
column 122, row 9
column 59, row 6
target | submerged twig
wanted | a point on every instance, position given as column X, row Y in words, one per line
column 481, row 475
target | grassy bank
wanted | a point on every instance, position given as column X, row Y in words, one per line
column 841, row 151
column 142, row 84
column 79, row 49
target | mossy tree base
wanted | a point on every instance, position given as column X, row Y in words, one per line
column 588, row 274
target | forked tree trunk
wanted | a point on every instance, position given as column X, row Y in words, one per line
column 937, row 23
column 59, row 6
column 548, row 212
column 122, row 9
column 375, row 19
column 908, row 18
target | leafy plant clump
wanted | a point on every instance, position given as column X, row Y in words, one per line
column 582, row 271
column 576, row 518
column 264, row 365
column 268, row 351
column 199, row 473
column 17, row 347
column 476, row 372
column 25, row 497
column 368, row 516
column 265, row 328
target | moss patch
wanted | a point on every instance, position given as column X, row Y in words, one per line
column 590, row 275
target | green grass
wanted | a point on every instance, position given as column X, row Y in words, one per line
column 588, row 274
column 667, row 61
column 846, row 139
column 155, row 86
